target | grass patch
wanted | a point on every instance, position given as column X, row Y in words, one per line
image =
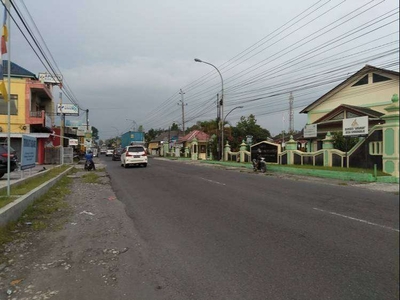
column 39, row 215
column 342, row 183
column 336, row 169
column 29, row 184
column 91, row 177
column 100, row 170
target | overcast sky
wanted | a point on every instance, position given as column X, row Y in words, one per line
column 128, row 59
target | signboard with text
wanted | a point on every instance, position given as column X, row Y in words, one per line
column 310, row 131
column 355, row 126
column 48, row 78
column 68, row 109
column 28, row 153
column 73, row 142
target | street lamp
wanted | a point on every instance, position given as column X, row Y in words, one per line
column 133, row 122
column 221, row 102
column 223, row 122
column 119, row 135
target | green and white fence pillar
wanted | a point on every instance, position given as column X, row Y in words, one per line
column 291, row 145
column 327, row 144
column 186, row 151
column 390, row 130
column 165, row 149
column 227, row 149
column 195, row 149
column 243, row 148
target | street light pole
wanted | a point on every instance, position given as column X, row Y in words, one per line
column 118, row 133
column 133, row 126
column 232, row 111
column 221, row 103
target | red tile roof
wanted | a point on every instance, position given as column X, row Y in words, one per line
column 199, row 135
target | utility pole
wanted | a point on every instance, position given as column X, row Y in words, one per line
column 182, row 103
column 87, row 119
column 62, row 131
column 62, row 122
column 219, row 128
column 291, row 114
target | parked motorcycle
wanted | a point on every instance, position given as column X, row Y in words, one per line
column 259, row 165
column 88, row 165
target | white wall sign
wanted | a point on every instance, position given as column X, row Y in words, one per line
column 73, row 142
column 47, row 78
column 28, row 157
column 355, row 126
column 67, row 109
column 310, row 131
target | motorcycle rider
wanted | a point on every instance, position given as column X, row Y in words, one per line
column 258, row 158
column 89, row 157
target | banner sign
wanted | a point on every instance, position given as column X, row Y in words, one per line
column 310, row 131
column 73, row 142
column 48, row 78
column 355, row 126
column 29, row 148
column 68, row 109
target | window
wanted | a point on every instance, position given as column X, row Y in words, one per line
column 375, row 148
column 136, row 149
column 350, row 115
column 13, row 105
column 379, row 78
column 339, row 116
column 362, row 81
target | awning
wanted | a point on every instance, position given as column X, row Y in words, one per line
column 39, row 135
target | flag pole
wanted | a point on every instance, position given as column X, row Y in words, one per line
column 7, row 2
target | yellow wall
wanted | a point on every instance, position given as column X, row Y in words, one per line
column 17, row 88
column 153, row 145
column 375, row 96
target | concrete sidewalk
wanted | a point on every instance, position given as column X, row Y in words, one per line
column 19, row 174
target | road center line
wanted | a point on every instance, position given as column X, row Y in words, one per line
column 216, row 182
column 355, row 219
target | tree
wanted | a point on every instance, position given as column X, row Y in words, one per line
column 152, row 134
column 343, row 143
column 247, row 126
column 141, row 129
column 95, row 133
column 174, row 127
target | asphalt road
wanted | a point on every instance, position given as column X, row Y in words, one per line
column 210, row 233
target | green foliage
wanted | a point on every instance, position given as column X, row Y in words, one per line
column 91, row 177
column 174, row 127
column 95, row 133
column 152, row 134
column 343, row 143
column 247, row 126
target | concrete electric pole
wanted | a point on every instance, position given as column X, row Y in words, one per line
column 182, row 103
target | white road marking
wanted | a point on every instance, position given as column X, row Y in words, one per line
column 355, row 219
column 216, row 182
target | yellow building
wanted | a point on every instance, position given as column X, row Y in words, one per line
column 366, row 93
column 31, row 109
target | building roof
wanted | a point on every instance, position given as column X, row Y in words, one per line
column 362, row 111
column 365, row 70
column 199, row 135
column 164, row 136
column 17, row 71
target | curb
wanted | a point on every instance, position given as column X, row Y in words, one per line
column 13, row 210
column 20, row 181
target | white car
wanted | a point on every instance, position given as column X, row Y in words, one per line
column 134, row 155
column 109, row 151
